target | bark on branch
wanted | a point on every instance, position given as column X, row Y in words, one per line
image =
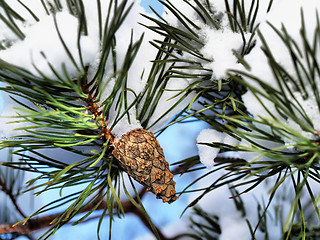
column 8, row 192
column 38, row 223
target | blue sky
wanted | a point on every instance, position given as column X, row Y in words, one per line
column 153, row 3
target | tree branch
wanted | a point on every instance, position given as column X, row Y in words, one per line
column 7, row 191
column 38, row 223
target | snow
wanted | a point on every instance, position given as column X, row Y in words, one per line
column 124, row 126
column 261, row 69
column 33, row 46
column 219, row 43
column 232, row 224
column 218, row 47
column 207, row 153
column 42, row 46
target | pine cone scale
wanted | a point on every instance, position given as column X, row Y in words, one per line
column 141, row 156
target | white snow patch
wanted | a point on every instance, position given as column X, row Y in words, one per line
column 260, row 67
column 207, row 153
column 219, row 46
column 42, row 46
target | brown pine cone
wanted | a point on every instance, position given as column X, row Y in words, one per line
column 141, row 156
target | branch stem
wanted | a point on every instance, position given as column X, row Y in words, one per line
column 36, row 224
column 13, row 199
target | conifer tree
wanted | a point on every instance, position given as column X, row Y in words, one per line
column 88, row 87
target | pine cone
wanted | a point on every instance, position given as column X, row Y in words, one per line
column 141, row 156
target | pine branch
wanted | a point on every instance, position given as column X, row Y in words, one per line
column 71, row 113
column 267, row 134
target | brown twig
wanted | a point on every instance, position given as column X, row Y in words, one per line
column 25, row 160
column 94, row 108
column 11, row 196
column 36, row 224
